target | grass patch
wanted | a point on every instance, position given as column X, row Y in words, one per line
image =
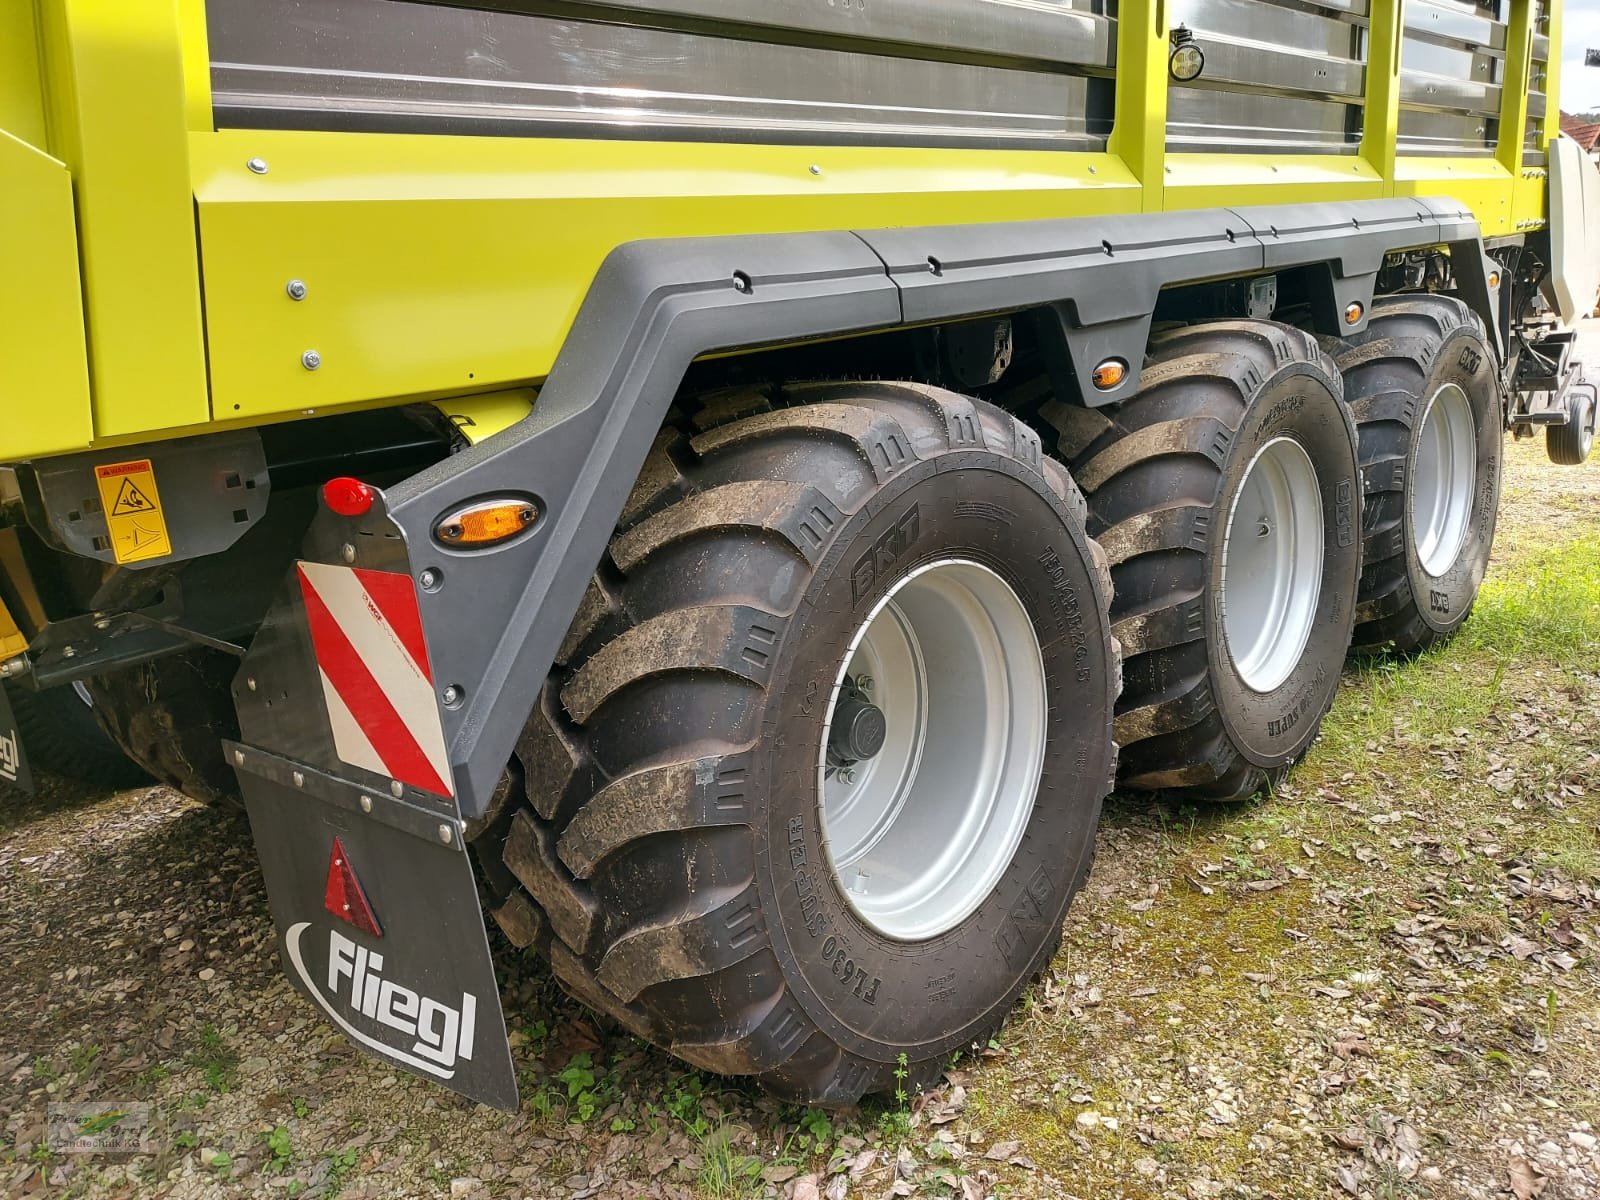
column 1343, row 949
column 726, row 1173
column 1543, row 602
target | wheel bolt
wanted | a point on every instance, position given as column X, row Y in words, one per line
column 864, row 682
column 847, row 774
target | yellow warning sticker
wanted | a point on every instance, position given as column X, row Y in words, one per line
column 133, row 510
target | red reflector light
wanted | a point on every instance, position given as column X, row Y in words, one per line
column 348, row 497
column 344, row 897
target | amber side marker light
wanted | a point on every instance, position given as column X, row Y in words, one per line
column 1109, row 374
column 487, row 523
column 1352, row 312
column 1494, row 278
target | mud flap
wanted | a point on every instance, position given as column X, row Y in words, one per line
column 342, row 763
column 13, row 762
column 416, row 986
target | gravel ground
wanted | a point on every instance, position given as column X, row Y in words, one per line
column 1380, row 983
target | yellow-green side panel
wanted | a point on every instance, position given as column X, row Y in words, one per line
column 196, row 50
column 44, row 384
column 435, row 265
column 1380, row 128
column 1480, row 183
column 1235, row 180
column 1531, row 198
column 482, row 416
column 1552, row 74
column 1139, row 135
column 1514, row 89
column 21, row 101
column 117, row 113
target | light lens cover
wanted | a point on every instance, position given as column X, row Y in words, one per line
column 1109, row 374
column 348, row 497
column 1186, row 62
column 1352, row 312
column 487, row 522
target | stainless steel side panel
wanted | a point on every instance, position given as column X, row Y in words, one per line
column 1228, row 121
column 1451, row 67
column 1533, row 137
column 1279, row 76
column 896, row 71
column 1038, row 31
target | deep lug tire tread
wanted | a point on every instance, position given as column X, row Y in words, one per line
column 618, row 802
column 170, row 715
column 1386, row 371
column 1151, row 469
column 60, row 734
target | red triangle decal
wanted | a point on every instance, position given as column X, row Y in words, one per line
column 344, row 897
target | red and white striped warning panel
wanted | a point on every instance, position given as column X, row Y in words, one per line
column 366, row 631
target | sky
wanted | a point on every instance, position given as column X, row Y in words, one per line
column 1580, row 85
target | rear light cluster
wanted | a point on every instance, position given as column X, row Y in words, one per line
column 487, row 522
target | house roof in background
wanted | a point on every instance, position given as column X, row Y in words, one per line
column 1585, row 133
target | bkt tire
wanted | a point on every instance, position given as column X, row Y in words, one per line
column 1227, row 497
column 1421, row 383
column 60, row 735
column 170, row 716
column 822, row 770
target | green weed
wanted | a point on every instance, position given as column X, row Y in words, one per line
column 218, row 1061
column 280, row 1153
column 340, row 1164
column 682, row 1100
column 587, row 1094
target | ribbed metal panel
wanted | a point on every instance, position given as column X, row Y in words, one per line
column 890, row 71
column 1533, row 136
column 1451, row 68
column 1280, row 75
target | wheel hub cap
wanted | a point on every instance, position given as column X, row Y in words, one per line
column 933, row 749
column 1442, row 480
column 858, row 728
column 1272, row 564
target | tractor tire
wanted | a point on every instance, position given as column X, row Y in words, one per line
column 1236, row 451
column 170, row 716
column 1569, row 445
column 679, row 783
column 1421, row 383
column 60, row 735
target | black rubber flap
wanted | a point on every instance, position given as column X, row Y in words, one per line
column 422, row 994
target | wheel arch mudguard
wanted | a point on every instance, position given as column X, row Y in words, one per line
column 340, row 775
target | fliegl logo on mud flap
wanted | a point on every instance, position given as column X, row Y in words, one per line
column 10, row 755
column 350, row 986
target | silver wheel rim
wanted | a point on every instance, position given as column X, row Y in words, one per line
column 1272, row 564
column 1586, row 425
column 1443, row 479
column 920, row 833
